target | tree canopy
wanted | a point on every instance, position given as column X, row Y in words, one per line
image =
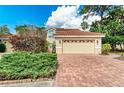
column 100, row 10
column 111, row 23
column 4, row 29
column 95, row 10
column 30, row 30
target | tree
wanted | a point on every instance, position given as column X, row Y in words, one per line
column 84, row 25
column 100, row 10
column 97, row 10
column 21, row 30
column 31, row 30
column 29, row 38
column 112, row 26
column 4, row 29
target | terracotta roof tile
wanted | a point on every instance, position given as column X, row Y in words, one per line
column 74, row 32
column 5, row 35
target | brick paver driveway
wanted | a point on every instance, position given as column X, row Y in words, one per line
column 89, row 70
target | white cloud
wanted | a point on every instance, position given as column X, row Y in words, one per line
column 68, row 17
column 93, row 19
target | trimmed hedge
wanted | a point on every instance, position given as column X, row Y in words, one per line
column 22, row 65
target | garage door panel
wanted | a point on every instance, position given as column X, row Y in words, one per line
column 78, row 47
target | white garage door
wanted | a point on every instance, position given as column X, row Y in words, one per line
column 78, row 46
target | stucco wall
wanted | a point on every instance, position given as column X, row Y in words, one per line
column 9, row 47
column 93, row 47
column 98, row 45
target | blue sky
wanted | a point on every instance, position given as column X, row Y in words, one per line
column 40, row 15
column 13, row 15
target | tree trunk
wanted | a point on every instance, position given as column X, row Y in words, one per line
column 113, row 46
column 121, row 47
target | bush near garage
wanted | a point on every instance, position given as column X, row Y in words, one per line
column 22, row 65
column 2, row 47
column 31, row 44
column 106, row 49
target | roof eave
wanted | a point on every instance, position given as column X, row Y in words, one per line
column 79, row 36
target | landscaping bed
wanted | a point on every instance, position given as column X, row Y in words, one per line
column 23, row 65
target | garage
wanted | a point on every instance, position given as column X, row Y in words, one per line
column 78, row 46
column 75, row 41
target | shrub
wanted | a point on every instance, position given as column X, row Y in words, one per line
column 2, row 47
column 106, row 49
column 21, row 65
column 32, row 44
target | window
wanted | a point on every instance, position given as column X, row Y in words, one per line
column 68, row 41
column 83, row 40
column 64, row 40
column 87, row 41
column 49, row 32
column 80, row 41
column 50, row 36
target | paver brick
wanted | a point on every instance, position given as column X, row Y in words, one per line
column 79, row 70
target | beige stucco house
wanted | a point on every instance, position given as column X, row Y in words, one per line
column 75, row 41
column 5, row 39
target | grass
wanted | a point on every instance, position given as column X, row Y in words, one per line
column 117, row 52
column 22, row 65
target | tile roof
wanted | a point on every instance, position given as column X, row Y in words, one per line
column 5, row 35
column 74, row 32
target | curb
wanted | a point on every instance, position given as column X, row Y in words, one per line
column 24, row 81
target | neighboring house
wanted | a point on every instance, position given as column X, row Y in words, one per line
column 75, row 41
column 50, row 35
column 5, row 39
column 51, row 38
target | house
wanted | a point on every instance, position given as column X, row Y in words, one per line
column 5, row 38
column 50, row 37
column 75, row 41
